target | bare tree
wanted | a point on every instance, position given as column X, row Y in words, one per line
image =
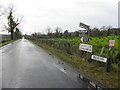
column 58, row 31
column 2, row 11
column 12, row 21
column 48, row 29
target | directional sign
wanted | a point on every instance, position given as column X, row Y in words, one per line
column 111, row 43
column 83, row 31
column 98, row 58
column 82, row 25
column 84, row 39
column 85, row 47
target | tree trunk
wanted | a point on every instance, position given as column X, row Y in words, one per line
column 11, row 35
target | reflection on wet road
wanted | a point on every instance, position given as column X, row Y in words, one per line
column 24, row 65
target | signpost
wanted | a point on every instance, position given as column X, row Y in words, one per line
column 85, row 34
column 84, row 39
column 102, row 50
column 82, row 25
column 111, row 43
column 102, row 59
column 111, row 46
column 85, row 47
column 98, row 58
column 85, row 26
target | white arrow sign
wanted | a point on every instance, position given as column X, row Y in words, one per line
column 85, row 47
column 98, row 58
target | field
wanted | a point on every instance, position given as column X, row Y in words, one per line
column 4, row 39
column 97, row 43
column 68, row 50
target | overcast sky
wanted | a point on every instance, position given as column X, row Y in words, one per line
column 66, row 14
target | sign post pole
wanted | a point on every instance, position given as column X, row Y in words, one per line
column 102, row 59
column 89, row 54
column 108, row 64
column 108, row 61
column 102, row 50
column 90, row 60
column 86, row 38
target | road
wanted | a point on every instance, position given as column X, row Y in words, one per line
column 25, row 65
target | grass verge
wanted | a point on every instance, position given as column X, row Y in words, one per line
column 5, row 43
column 108, row 79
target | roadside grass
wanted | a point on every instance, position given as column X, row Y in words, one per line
column 5, row 39
column 108, row 79
column 98, row 43
column 7, row 42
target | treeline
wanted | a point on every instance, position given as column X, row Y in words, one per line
column 105, row 31
column 67, row 43
column 95, row 32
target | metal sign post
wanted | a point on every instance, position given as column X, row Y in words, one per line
column 85, row 34
column 111, row 45
column 87, row 48
column 108, row 61
column 102, row 50
column 102, row 59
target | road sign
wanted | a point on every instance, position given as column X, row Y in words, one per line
column 84, row 39
column 98, row 58
column 86, row 32
column 82, row 25
column 111, row 43
column 85, row 47
column 83, row 31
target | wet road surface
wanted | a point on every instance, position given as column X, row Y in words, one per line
column 25, row 65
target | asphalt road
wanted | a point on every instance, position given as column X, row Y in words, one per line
column 24, row 65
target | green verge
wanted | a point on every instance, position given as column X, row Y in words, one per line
column 5, row 43
column 108, row 79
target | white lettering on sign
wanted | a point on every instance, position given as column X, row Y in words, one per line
column 98, row 58
column 85, row 47
column 111, row 43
